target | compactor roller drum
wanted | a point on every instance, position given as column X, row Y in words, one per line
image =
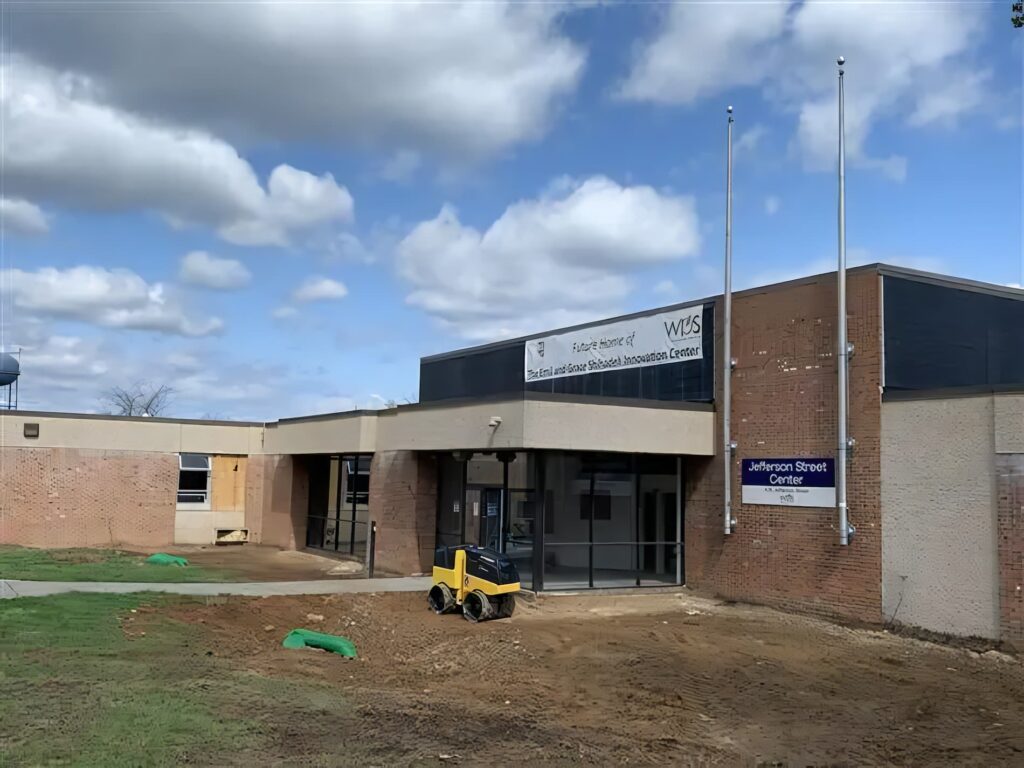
column 481, row 582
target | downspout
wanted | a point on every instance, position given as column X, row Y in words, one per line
column 728, row 446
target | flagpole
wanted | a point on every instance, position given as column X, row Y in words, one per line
column 842, row 345
column 727, row 444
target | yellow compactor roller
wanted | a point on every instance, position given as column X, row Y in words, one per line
column 482, row 582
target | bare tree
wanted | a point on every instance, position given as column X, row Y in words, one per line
column 140, row 399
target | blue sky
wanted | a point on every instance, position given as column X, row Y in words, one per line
column 360, row 185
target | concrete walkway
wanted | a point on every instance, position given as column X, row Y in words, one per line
column 15, row 588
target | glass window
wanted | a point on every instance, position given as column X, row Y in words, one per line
column 193, row 478
column 567, row 490
column 610, row 520
column 522, row 471
column 339, row 503
column 450, row 499
column 193, row 461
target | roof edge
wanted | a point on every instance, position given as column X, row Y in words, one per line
column 141, row 419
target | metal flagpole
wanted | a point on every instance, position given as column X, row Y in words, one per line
column 727, row 444
column 843, row 349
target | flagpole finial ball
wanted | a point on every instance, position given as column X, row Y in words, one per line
column 841, row 60
column 729, row 109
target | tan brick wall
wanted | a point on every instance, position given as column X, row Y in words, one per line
column 784, row 404
column 403, row 503
column 284, row 501
column 1010, row 537
column 72, row 497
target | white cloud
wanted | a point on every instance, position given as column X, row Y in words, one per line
column 772, row 204
column 703, row 49
column 60, row 357
column 318, row 288
column 208, row 271
column 69, row 370
column 284, row 312
column 558, row 259
column 401, row 166
column 903, row 59
column 466, row 78
column 112, row 298
column 749, row 139
column 950, row 98
column 66, row 146
column 22, row 217
column 665, row 288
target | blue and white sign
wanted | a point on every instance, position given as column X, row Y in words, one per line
column 789, row 482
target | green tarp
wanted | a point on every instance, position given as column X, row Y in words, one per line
column 161, row 558
column 305, row 638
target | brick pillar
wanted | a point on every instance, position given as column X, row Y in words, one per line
column 403, row 504
column 1010, row 532
column 279, row 491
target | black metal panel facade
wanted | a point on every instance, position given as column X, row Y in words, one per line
column 939, row 336
column 499, row 370
column 494, row 371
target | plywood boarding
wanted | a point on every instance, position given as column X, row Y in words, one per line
column 227, row 485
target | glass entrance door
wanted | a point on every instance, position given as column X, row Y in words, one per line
column 491, row 534
column 611, row 520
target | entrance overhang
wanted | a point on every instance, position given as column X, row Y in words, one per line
column 551, row 422
column 529, row 422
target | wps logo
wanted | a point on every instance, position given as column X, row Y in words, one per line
column 682, row 329
column 540, row 349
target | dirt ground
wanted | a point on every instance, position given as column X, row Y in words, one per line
column 663, row 679
column 256, row 563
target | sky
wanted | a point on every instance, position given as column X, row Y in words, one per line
column 277, row 209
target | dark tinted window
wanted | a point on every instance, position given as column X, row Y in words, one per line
column 937, row 336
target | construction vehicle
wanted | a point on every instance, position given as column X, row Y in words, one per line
column 482, row 582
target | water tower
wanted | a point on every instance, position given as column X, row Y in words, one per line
column 10, row 370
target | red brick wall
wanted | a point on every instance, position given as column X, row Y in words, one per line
column 784, row 404
column 67, row 497
column 403, row 504
column 1010, row 533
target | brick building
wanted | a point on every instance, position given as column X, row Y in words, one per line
column 592, row 457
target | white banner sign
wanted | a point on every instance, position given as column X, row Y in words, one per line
column 669, row 337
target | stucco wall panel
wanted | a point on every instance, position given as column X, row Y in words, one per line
column 1009, row 423
column 117, row 434
column 343, row 433
column 939, row 561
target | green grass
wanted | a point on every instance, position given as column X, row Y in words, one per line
column 80, row 685
column 75, row 690
column 97, row 565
